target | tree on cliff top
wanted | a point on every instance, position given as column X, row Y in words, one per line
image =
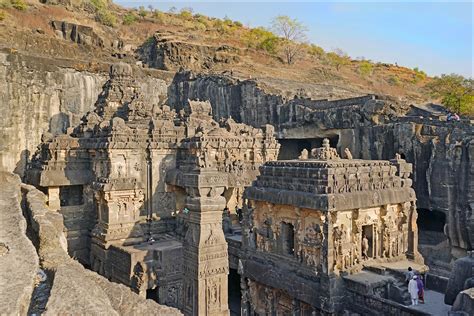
column 293, row 34
column 455, row 92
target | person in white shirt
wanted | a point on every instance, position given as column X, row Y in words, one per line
column 413, row 290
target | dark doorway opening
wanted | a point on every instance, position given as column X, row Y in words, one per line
column 71, row 195
column 153, row 294
column 291, row 148
column 233, row 284
column 287, row 238
column 368, row 232
column 431, row 226
column 431, row 220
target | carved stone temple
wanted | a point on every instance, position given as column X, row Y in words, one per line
column 316, row 229
column 144, row 192
column 142, row 188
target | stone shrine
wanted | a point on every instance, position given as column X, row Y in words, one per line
column 142, row 188
column 311, row 225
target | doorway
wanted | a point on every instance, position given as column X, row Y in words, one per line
column 368, row 232
column 234, row 292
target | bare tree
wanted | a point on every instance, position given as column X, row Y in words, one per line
column 293, row 34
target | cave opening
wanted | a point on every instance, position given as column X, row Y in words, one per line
column 71, row 195
column 291, row 147
column 431, row 226
column 234, row 294
column 153, row 294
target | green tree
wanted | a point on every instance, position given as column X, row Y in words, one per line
column 142, row 12
column 293, row 34
column 365, row 68
column 338, row 58
column 19, row 4
column 315, row 50
column 419, row 75
column 186, row 13
column 129, row 18
column 455, row 92
column 260, row 38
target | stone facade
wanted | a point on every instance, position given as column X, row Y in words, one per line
column 153, row 183
column 310, row 222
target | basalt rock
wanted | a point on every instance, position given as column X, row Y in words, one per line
column 165, row 52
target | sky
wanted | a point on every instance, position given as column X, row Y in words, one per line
column 435, row 36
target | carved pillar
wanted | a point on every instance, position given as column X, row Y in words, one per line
column 412, row 252
column 206, row 263
column 53, row 198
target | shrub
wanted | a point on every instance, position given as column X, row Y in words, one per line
column 2, row 15
column 19, row 4
column 420, row 75
column 159, row 16
column 238, row 24
column 315, row 50
column 394, row 80
column 129, row 18
column 107, row 18
column 186, row 13
column 103, row 15
column 455, row 92
column 142, row 12
column 338, row 58
column 365, row 68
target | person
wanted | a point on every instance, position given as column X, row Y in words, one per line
column 365, row 247
column 456, row 117
column 410, row 274
column 421, row 292
column 413, row 290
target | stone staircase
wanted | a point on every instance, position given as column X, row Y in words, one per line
column 398, row 289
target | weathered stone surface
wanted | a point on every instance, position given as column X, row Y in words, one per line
column 75, row 290
column 79, row 34
column 462, row 277
column 309, row 222
column 464, row 302
column 18, row 258
column 370, row 127
column 167, row 52
column 41, row 95
column 137, row 165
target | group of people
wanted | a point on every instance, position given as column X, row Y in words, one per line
column 453, row 117
column 415, row 287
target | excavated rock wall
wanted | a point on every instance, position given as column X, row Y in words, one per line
column 39, row 95
column 74, row 289
column 18, row 258
column 371, row 128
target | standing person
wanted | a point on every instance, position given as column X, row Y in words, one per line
column 421, row 292
column 365, row 247
column 410, row 274
column 413, row 290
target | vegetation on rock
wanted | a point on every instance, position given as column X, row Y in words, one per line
column 16, row 4
column 293, row 33
column 455, row 92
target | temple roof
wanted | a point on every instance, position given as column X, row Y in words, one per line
column 328, row 182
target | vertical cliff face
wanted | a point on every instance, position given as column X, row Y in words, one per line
column 46, row 95
column 372, row 128
column 243, row 100
column 37, row 97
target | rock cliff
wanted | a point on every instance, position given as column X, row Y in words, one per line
column 42, row 95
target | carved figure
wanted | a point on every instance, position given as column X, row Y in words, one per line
column 347, row 153
column 303, row 155
column 365, row 247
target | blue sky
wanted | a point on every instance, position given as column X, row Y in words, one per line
column 436, row 36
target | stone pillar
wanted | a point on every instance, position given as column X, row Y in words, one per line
column 412, row 252
column 53, row 198
column 206, row 263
